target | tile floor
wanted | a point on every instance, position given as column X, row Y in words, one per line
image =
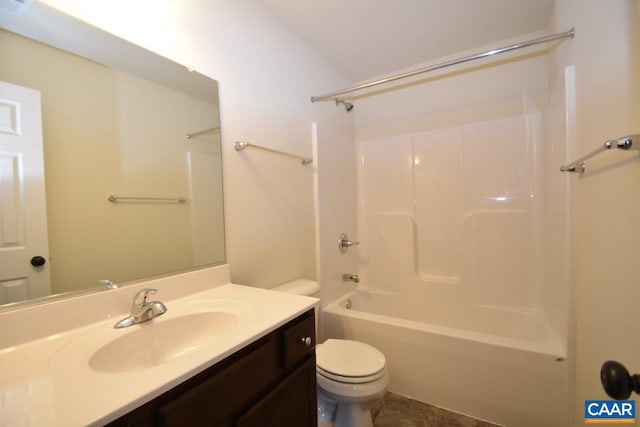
column 400, row 411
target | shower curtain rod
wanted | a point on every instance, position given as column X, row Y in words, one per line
column 546, row 39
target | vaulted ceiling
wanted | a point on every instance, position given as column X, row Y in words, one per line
column 370, row 38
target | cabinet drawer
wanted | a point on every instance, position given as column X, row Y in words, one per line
column 299, row 339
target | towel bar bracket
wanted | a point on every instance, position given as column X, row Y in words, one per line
column 628, row 142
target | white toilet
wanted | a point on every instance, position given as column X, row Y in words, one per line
column 351, row 375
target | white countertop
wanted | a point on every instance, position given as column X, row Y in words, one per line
column 48, row 381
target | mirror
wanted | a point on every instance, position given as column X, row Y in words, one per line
column 128, row 194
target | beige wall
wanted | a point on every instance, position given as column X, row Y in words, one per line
column 606, row 55
column 94, row 146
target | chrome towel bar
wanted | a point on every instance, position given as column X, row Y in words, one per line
column 202, row 132
column 629, row 142
column 133, row 199
column 241, row 145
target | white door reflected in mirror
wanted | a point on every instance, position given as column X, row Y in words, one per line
column 23, row 213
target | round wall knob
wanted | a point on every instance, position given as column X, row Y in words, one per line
column 38, row 261
column 306, row 341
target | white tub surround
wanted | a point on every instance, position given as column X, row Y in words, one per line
column 463, row 223
column 46, row 379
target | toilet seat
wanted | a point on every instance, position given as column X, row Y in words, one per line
column 350, row 380
column 349, row 361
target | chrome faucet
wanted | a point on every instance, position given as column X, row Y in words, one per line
column 350, row 278
column 142, row 309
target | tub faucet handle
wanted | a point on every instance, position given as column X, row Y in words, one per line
column 344, row 243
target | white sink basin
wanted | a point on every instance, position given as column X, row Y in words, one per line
column 189, row 329
column 156, row 342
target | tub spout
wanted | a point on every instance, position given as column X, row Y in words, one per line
column 350, row 278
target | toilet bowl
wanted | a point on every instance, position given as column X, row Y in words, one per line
column 351, row 375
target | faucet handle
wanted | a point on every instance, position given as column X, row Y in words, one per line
column 108, row 284
column 141, row 296
column 344, row 243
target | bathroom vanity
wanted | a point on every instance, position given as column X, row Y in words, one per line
column 271, row 382
column 221, row 355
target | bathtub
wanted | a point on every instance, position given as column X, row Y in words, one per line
column 498, row 364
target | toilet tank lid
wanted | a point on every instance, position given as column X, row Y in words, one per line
column 299, row 287
column 349, row 358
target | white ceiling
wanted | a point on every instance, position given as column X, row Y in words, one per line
column 369, row 38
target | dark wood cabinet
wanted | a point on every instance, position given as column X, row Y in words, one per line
column 285, row 405
column 271, row 382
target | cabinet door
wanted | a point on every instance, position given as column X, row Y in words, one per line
column 212, row 402
column 291, row 404
column 294, row 340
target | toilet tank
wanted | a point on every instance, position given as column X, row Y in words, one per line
column 305, row 287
